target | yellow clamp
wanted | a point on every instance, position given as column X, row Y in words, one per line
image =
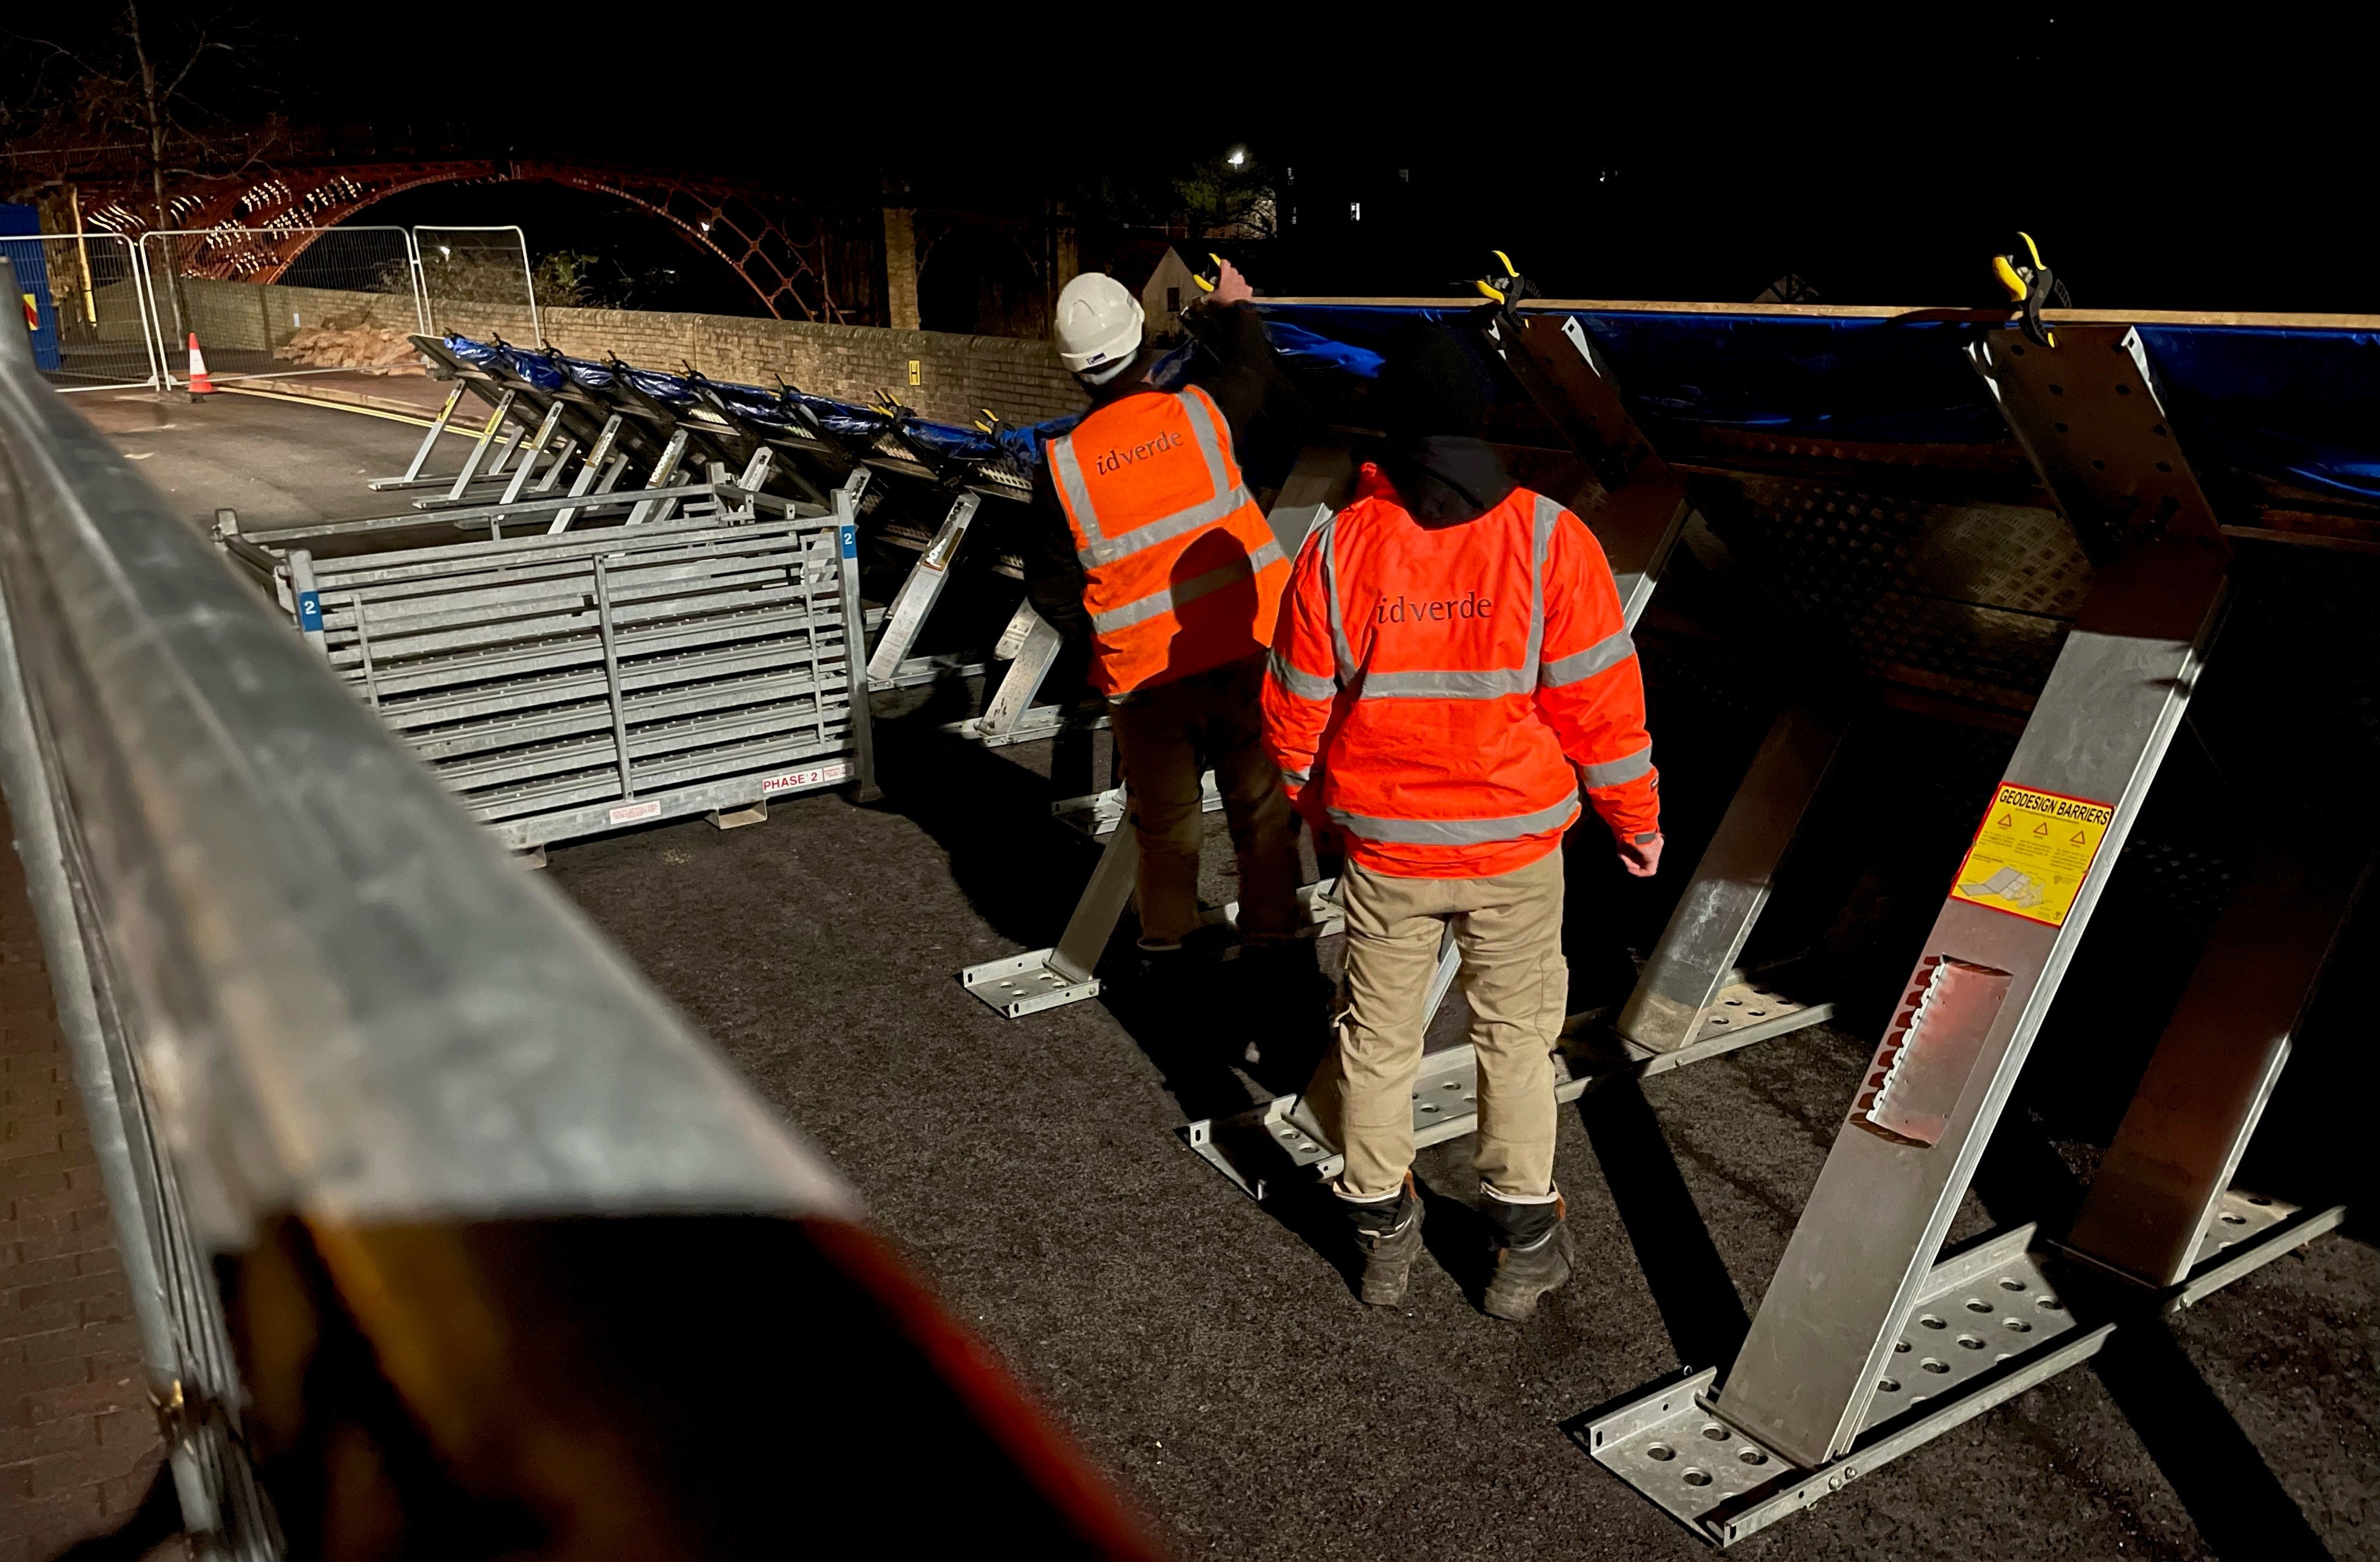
column 2008, row 278
column 1489, row 289
column 1204, row 285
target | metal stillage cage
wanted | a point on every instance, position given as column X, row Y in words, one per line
column 567, row 684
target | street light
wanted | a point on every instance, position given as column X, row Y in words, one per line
column 1237, row 157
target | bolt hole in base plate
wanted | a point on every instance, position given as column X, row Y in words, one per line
column 1937, row 1378
column 1023, row 984
column 1932, row 1363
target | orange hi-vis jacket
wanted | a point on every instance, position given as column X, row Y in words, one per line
column 1450, row 689
column 1181, row 570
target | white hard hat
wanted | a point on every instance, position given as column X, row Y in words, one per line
column 1098, row 323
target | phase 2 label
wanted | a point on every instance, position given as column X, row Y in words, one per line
column 816, row 775
column 2033, row 854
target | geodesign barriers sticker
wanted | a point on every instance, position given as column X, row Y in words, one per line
column 2033, row 853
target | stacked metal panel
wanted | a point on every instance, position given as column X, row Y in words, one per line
column 567, row 684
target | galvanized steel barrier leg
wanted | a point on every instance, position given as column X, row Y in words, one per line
column 470, row 471
column 1863, row 1321
column 920, row 591
column 1869, row 1232
column 1030, row 647
column 2157, row 1199
column 505, row 448
column 429, row 440
column 600, row 461
column 863, row 734
column 555, row 468
column 536, row 446
column 1674, row 1004
column 664, row 470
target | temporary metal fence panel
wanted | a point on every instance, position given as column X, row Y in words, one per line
column 86, row 306
column 568, row 684
column 478, row 281
column 277, row 302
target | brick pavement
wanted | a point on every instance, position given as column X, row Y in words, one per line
column 78, row 1442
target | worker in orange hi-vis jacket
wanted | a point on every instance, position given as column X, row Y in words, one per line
column 1153, row 548
column 1450, row 675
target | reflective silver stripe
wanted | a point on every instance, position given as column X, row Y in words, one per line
column 1069, row 474
column 1166, row 599
column 1329, row 532
column 1493, row 684
column 1612, row 773
column 1298, row 778
column 1605, row 654
column 1210, row 444
column 1304, row 685
column 1107, row 550
column 1542, row 529
column 1455, row 831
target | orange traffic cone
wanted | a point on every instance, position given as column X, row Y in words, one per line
column 199, row 383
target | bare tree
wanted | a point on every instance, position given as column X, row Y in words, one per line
column 166, row 105
column 123, row 95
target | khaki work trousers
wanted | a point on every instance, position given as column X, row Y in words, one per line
column 1508, row 930
column 1161, row 732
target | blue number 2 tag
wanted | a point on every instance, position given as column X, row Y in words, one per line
column 309, row 612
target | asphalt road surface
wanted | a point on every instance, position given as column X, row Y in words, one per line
column 1213, row 1359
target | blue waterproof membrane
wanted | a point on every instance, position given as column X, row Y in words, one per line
column 1020, row 445
column 768, row 407
column 2301, row 407
column 1871, row 380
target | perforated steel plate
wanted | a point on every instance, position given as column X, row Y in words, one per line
column 1969, row 599
column 1990, row 1325
column 1283, row 1136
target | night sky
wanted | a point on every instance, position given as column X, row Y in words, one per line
column 2161, row 165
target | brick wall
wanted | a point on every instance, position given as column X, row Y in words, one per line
column 245, row 316
column 78, row 1440
column 957, row 375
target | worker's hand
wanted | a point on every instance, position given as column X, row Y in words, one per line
column 1642, row 856
column 1231, row 287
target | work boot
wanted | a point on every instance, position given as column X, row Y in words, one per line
column 1532, row 1254
column 1388, row 1235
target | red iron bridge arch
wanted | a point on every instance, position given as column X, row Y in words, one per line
column 802, row 265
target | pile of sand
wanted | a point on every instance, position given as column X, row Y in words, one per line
column 370, row 349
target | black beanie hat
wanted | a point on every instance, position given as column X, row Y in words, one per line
column 1430, row 386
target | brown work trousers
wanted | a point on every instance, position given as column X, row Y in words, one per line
column 1163, row 732
column 1508, row 930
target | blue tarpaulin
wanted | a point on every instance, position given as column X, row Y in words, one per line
column 2301, row 407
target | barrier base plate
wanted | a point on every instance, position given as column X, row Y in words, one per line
column 1990, row 1323
column 1255, row 1149
column 1023, row 984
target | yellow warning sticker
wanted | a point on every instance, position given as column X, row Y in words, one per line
column 2033, row 854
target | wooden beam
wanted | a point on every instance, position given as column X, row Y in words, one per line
column 1880, row 311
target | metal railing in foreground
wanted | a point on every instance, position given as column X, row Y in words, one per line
column 446, row 1237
